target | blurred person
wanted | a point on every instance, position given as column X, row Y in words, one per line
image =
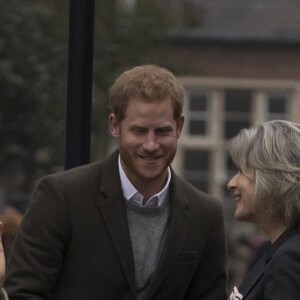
column 3, row 295
column 126, row 227
column 11, row 218
column 266, row 190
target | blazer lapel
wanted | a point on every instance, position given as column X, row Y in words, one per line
column 113, row 210
column 178, row 226
column 253, row 276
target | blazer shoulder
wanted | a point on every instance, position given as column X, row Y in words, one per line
column 86, row 178
column 95, row 169
column 80, row 172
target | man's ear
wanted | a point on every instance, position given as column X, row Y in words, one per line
column 114, row 125
column 180, row 123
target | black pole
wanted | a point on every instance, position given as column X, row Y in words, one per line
column 79, row 85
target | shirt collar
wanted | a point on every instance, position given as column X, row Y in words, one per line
column 131, row 193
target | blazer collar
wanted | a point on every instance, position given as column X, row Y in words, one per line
column 253, row 276
column 113, row 210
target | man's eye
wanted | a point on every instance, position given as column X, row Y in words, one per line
column 138, row 130
column 164, row 131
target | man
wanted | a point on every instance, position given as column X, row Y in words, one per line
column 126, row 227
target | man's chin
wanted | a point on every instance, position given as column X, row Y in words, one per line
column 152, row 175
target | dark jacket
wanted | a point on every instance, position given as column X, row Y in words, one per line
column 276, row 276
column 74, row 242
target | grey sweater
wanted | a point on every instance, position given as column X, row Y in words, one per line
column 148, row 227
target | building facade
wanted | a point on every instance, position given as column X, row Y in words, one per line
column 215, row 110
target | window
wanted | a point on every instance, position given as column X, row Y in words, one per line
column 199, row 113
column 278, row 106
column 237, row 111
column 196, row 168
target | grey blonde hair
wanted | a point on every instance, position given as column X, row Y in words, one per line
column 148, row 83
column 272, row 150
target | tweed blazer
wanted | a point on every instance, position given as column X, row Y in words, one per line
column 276, row 275
column 74, row 242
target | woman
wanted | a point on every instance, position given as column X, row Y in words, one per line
column 266, row 190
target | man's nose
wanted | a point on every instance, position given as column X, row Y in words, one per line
column 150, row 142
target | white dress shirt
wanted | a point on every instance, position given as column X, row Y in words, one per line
column 132, row 194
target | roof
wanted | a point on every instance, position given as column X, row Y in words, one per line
column 244, row 20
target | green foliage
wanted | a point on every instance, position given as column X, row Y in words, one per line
column 32, row 84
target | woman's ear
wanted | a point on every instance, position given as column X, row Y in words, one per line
column 114, row 125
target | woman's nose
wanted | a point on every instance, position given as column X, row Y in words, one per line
column 232, row 183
